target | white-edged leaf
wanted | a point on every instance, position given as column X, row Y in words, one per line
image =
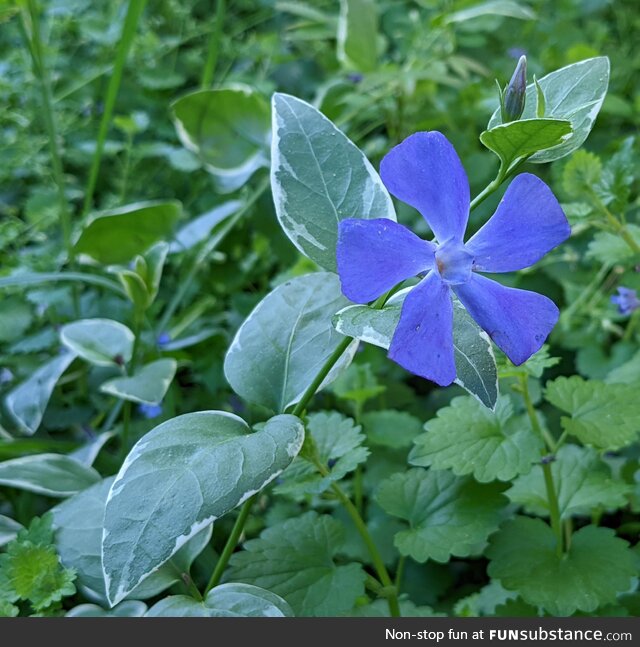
column 126, row 609
column 318, row 178
column 102, row 342
column 54, row 475
column 79, row 521
column 506, row 8
column 575, row 93
column 284, row 342
column 358, row 35
column 27, row 402
column 224, row 601
column 178, row 479
column 147, row 385
column 199, row 228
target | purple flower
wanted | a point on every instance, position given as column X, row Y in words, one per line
column 626, row 300
column 150, row 411
column 375, row 255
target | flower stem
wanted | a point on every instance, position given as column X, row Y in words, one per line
column 230, row 546
column 214, row 47
column 615, row 223
column 494, row 185
column 552, row 495
column 134, row 10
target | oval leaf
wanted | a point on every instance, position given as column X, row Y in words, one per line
column 318, row 178
column 54, row 475
column 147, row 385
column 27, row 402
column 103, row 342
column 118, row 235
column 575, row 93
column 224, row 601
column 284, row 342
column 178, row 479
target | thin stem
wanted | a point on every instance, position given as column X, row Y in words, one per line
column 34, row 44
column 533, row 416
column 617, row 226
column 503, row 174
column 204, row 252
column 552, row 495
column 214, row 47
column 134, row 10
column 230, row 546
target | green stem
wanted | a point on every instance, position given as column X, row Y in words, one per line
column 494, row 185
column 552, row 495
column 230, row 546
column 134, row 10
column 214, row 47
column 205, row 251
column 41, row 72
column 616, row 225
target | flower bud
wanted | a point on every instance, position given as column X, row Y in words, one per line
column 513, row 98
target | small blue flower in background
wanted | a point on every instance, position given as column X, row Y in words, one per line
column 373, row 256
column 163, row 339
column 626, row 300
column 150, row 411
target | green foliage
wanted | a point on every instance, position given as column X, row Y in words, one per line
column 147, row 385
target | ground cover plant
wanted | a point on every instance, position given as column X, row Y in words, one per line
column 302, row 314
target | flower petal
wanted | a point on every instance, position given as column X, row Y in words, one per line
column 518, row 321
column 527, row 224
column 425, row 172
column 423, row 340
column 375, row 255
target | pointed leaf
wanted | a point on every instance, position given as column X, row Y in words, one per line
column 103, row 342
column 358, row 35
column 147, row 385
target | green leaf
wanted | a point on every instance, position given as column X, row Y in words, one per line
column 507, row 8
column 485, row 601
column 611, row 248
column 468, row 438
column 475, row 362
column 15, row 319
column 295, row 560
column 9, row 528
column 516, row 140
column 148, row 384
column 584, row 483
column 128, row 609
column 358, row 35
column 597, row 567
column 626, row 373
column 178, row 479
column 318, row 178
column 338, row 444
column 283, row 343
column 228, row 129
column 79, row 522
column 116, row 236
column 448, row 516
column 606, row 416
column 103, row 342
column 390, row 428
column 574, row 93
column 380, row 609
column 358, row 384
column 54, row 475
column 538, row 362
column 581, row 174
column 224, row 601
column 27, row 402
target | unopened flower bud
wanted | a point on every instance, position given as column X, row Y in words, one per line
column 513, row 98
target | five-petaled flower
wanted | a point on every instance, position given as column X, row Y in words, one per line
column 375, row 255
column 626, row 300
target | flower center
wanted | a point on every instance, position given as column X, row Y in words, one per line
column 454, row 262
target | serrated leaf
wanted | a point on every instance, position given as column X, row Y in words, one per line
column 476, row 370
column 468, row 438
column 581, row 174
column 127, row 609
column 116, row 236
column 574, row 93
column 390, row 428
column 611, row 248
column 597, row 567
column 485, row 601
column 380, row 609
column 27, row 402
column 519, row 139
column 606, row 416
column 102, row 342
column 318, row 178
column 538, row 362
column 358, row 384
column 448, row 515
column 178, row 479
column 78, row 522
column 228, row 128
column 147, row 385
column 283, row 343
column 358, row 35
column 54, row 475
column 339, row 447
column 584, row 484
column 626, row 373
column 295, row 560
column 224, row 601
